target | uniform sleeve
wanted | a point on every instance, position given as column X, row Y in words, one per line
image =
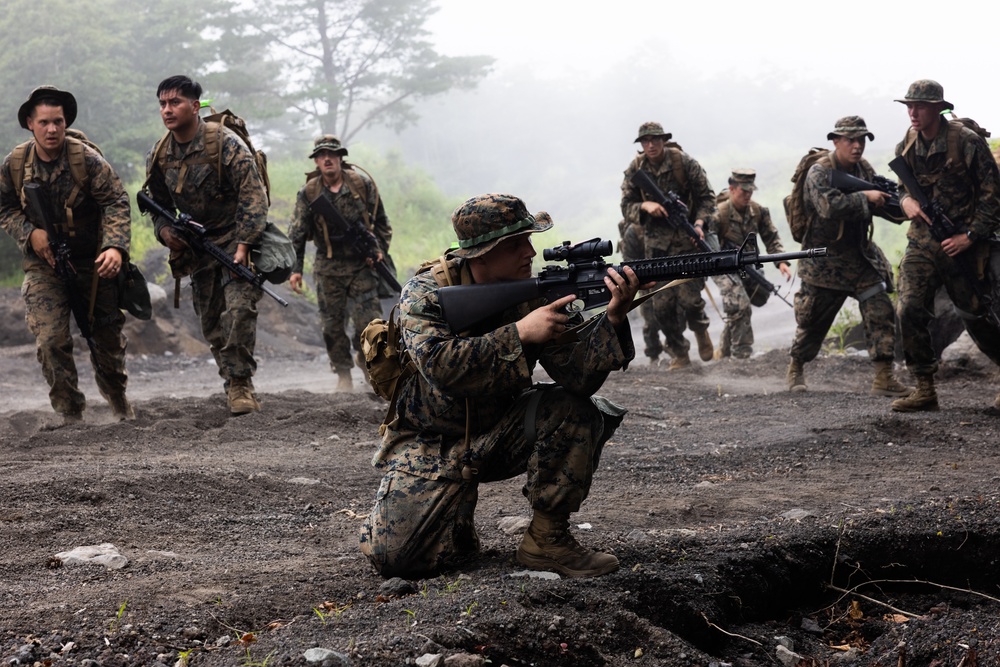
column 12, row 217
column 702, row 197
column 583, row 366
column 983, row 168
column 300, row 229
column 251, row 210
column 116, row 214
column 769, row 233
column 631, row 202
column 383, row 230
column 831, row 203
column 158, row 192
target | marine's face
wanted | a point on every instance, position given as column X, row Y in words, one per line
column 178, row 112
column 739, row 196
column 48, row 125
column 510, row 259
column 652, row 147
column 924, row 116
column 849, row 149
column 329, row 164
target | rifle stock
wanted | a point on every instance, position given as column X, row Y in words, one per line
column 42, row 209
column 362, row 240
column 465, row 306
column 891, row 211
column 194, row 234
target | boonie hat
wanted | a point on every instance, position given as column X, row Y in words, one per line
column 484, row 221
column 66, row 100
column 651, row 129
column 851, row 127
column 926, row 90
column 328, row 142
column 744, row 178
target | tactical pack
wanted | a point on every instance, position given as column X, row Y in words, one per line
column 796, row 213
column 387, row 362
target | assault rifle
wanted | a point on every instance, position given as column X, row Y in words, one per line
column 757, row 276
column 362, row 240
column 464, row 306
column 891, row 211
column 41, row 208
column 942, row 228
column 678, row 214
column 196, row 236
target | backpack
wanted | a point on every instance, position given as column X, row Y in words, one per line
column 796, row 214
column 23, row 157
column 387, row 363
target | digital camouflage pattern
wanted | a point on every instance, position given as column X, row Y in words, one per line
column 101, row 220
column 483, row 380
column 733, row 226
column 854, row 266
column 232, row 205
column 682, row 305
column 346, row 287
column 969, row 193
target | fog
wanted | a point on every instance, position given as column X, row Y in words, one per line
column 738, row 84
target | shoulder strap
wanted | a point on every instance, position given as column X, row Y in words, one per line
column 677, row 166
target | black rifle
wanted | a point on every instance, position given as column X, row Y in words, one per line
column 757, row 276
column 195, row 235
column 464, row 306
column 678, row 214
column 942, row 228
column 890, row 211
column 42, row 209
column 362, row 240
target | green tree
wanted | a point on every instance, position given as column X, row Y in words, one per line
column 353, row 63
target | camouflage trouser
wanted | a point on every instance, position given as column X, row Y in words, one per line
column 650, row 330
column 417, row 524
column 47, row 312
column 676, row 307
column 227, row 308
column 341, row 296
column 816, row 309
column 921, row 273
column 737, row 335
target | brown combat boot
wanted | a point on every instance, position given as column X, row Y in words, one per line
column 121, row 408
column 705, row 349
column 241, row 398
column 344, row 381
column 548, row 545
column 924, row 399
column 795, row 377
column 680, row 362
column 886, row 384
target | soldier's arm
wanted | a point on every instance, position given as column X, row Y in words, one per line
column 300, row 229
column 383, row 230
column 831, row 203
column 241, row 170
column 12, row 217
column 703, row 206
column 983, row 169
column 116, row 214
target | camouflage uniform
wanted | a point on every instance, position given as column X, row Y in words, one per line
column 968, row 190
column 632, row 248
column 101, row 219
column 232, row 205
column 854, row 266
column 481, row 380
column 680, row 173
column 346, row 287
column 733, row 227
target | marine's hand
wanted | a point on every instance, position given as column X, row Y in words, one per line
column 543, row 324
column 954, row 245
column 108, row 263
column 912, row 211
column 172, row 240
column 654, row 209
column 242, row 254
column 785, row 271
column 876, row 198
column 623, row 287
column 39, row 240
column 296, row 282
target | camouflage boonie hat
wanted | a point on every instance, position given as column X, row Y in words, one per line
column 926, row 90
column 66, row 100
column 485, row 220
column 328, row 142
column 851, row 127
column 744, row 178
column 651, row 129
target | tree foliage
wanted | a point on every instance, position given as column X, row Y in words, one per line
column 352, row 63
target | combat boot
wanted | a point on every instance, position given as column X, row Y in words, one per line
column 344, row 381
column 548, row 545
column 121, row 408
column 886, row 384
column 705, row 349
column 241, row 398
column 795, row 377
column 924, row 399
column 679, row 362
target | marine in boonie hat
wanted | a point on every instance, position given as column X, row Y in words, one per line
column 328, row 142
column 928, row 91
column 652, row 129
column 484, row 221
column 744, row 178
column 43, row 93
column 851, row 127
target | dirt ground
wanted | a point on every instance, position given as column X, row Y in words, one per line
column 754, row 527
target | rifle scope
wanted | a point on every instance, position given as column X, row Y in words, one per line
column 585, row 250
